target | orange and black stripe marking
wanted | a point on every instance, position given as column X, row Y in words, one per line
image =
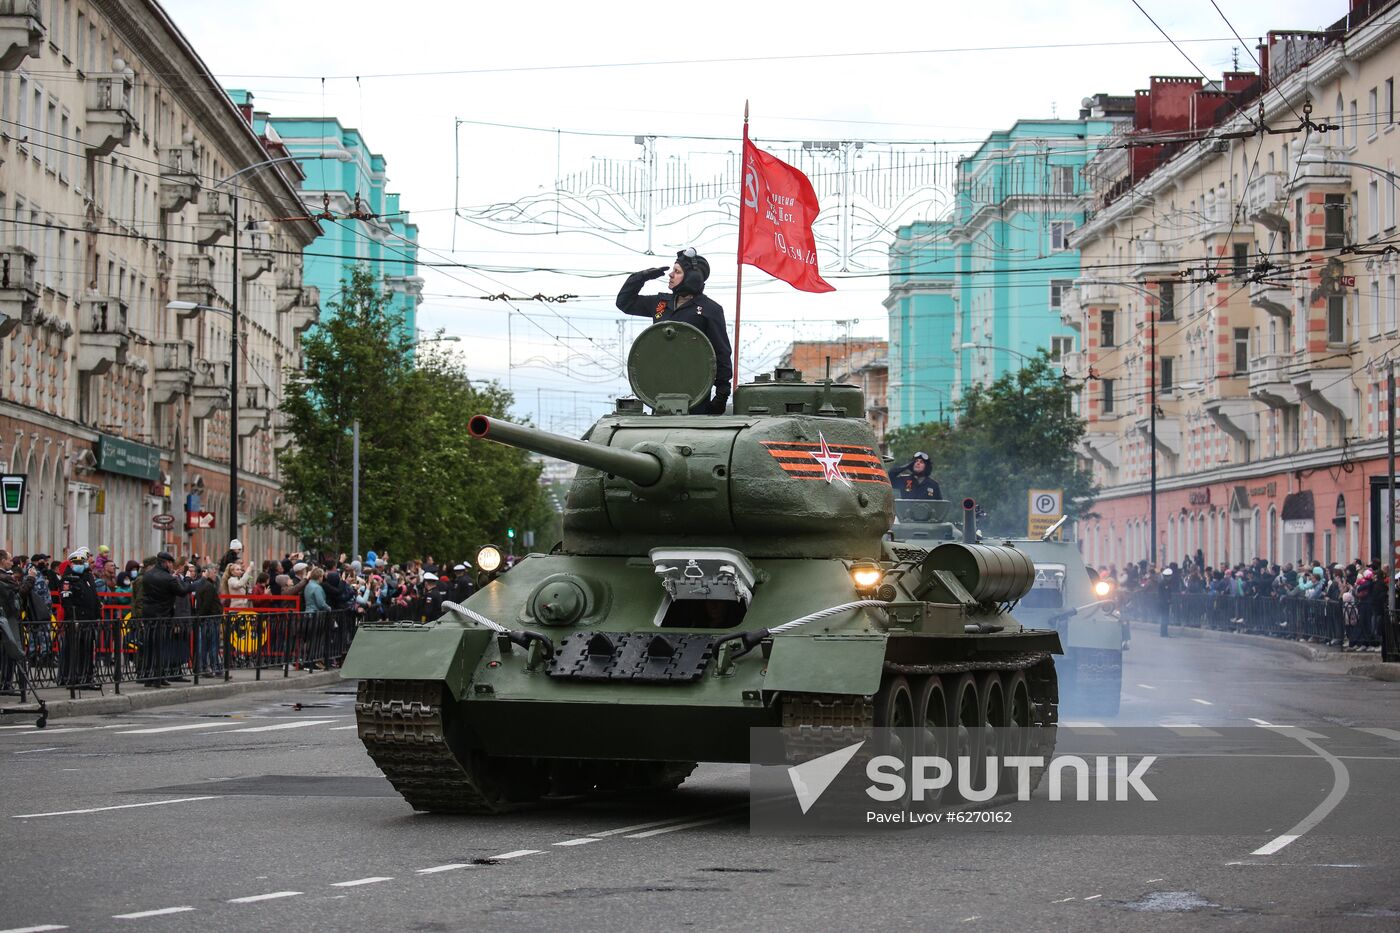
column 858, row 464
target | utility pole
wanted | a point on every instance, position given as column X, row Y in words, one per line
column 355, row 495
column 1390, row 651
column 233, row 385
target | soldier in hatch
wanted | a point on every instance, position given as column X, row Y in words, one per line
column 913, row 481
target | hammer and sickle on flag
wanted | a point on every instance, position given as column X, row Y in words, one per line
column 776, row 220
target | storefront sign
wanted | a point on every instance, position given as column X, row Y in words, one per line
column 12, row 488
column 1269, row 490
column 197, row 520
column 1298, row 526
column 117, row 455
column 1200, row 497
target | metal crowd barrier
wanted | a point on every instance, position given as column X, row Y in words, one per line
column 117, row 651
column 1317, row 620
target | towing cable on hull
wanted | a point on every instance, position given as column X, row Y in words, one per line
column 521, row 637
column 751, row 640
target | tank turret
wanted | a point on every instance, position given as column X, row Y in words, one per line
column 794, row 472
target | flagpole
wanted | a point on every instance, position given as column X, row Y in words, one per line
column 739, row 279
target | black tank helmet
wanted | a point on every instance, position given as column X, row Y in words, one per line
column 697, row 271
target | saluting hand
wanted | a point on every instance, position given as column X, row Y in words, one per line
column 656, row 273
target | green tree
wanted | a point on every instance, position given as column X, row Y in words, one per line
column 425, row 486
column 1017, row 434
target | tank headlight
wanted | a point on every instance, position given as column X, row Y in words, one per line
column 489, row 559
column 1103, row 588
column 867, row 576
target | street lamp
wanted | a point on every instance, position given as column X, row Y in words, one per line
column 339, row 155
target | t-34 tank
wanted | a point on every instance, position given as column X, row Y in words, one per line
column 717, row 573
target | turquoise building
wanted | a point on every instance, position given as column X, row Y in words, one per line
column 344, row 176
column 975, row 294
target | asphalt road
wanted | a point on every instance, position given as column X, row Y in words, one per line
column 247, row 814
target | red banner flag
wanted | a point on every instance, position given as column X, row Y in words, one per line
column 775, row 221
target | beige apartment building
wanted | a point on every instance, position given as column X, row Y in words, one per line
column 117, row 151
column 1247, row 282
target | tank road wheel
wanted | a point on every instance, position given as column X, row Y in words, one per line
column 1016, row 737
column 991, row 723
column 894, row 710
column 933, row 737
column 963, row 720
column 409, row 730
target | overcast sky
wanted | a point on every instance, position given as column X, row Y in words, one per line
column 563, row 360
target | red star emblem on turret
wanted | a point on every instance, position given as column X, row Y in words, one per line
column 830, row 461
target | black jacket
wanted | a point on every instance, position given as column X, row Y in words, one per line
column 9, row 600
column 909, row 486
column 206, row 598
column 432, row 603
column 699, row 311
column 161, row 593
column 78, row 592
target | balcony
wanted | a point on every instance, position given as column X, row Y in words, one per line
column 254, row 407
column 257, row 259
column 1074, row 362
column 1168, row 433
column 110, row 121
column 306, row 311
column 179, row 177
column 21, row 32
column 174, row 371
column 1236, row 417
column 103, row 336
column 1103, row 447
column 1269, row 381
column 1071, row 311
column 411, row 285
column 1266, row 201
column 1096, row 294
column 1152, row 259
column 288, row 286
column 19, row 293
column 282, row 437
column 210, row 393
column 215, row 217
column 1319, row 162
column 196, row 281
column 1272, row 297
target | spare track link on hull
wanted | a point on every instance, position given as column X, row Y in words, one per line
column 401, row 724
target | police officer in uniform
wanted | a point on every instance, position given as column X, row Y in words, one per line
column 688, row 304
column 913, row 481
column 81, row 611
column 434, row 595
column 163, row 597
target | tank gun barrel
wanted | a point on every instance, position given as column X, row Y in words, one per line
column 644, row 469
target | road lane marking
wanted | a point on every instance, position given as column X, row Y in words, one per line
column 1341, row 782
column 516, row 854
column 182, row 728
column 603, row 834
column 1202, row 702
column 1259, row 722
column 359, row 881
column 1295, row 731
column 1093, row 897
column 1154, row 880
column 121, row 806
column 301, row 723
column 30, row 751
column 1064, row 899
column 264, row 897
column 452, row 866
column 341, row 728
column 1190, row 730
column 39, row 929
column 582, row 840
column 671, row 829
column 1383, row 733
column 118, row 725
column 152, row 913
column 1147, row 686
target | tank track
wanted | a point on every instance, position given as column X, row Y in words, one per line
column 401, row 724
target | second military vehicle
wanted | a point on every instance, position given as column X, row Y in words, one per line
column 717, row 573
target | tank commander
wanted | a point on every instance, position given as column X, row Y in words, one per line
column 688, row 304
column 913, row 481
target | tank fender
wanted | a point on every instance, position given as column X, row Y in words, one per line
column 1094, row 630
column 843, row 663
column 448, row 653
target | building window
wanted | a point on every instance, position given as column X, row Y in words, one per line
column 1057, row 290
column 1059, row 346
column 1390, row 196
column 1351, row 124
column 1241, row 260
column 1107, row 396
column 1062, row 179
column 1336, row 319
column 1372, row 116
column 1375, row 308
column 1334, row 210
column 1106, row 328
column 1373, row 208
column 1390, row 310
column 1167, row 296
column 1168, row 367
column 1241, row 350
column 1060, row 231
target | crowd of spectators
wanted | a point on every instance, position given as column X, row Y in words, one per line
column 1358, row 592
column 39, row 594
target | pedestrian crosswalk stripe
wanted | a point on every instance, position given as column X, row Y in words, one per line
column 180, row 728
column 1383, row 733
column 281, row 725
column 152, row 913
